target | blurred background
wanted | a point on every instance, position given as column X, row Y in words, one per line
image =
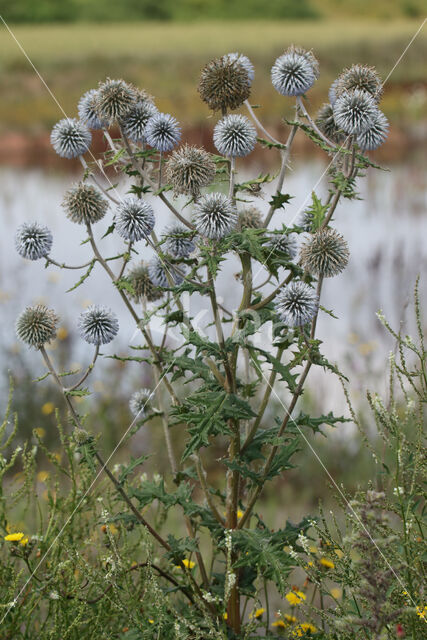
column 161, row 46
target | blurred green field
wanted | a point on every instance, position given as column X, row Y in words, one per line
column 165, row 58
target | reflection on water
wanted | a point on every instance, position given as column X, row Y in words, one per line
column 386, row 232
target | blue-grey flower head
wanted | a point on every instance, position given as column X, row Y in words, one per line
column 234, row 136
column 88, row 112
column 84, row 204
column 355, row 111
column 215, row 216
column 177, row 241
column 134, row 219
column 332, row 95
column 188, row 169
column 296, row 304
column 376, row 135
column 362, row 77
column 33, row 241
column 70, row 138
column 36, row 326
column 98, row 325
column 142, row 286
column 115, row 98
column 224, row 84
column 283, row 243
column 159, row 271
column 163, row 132
column 325, row 253
column 135, row 121
column 244, row 62
column 326, row 123
column 293, row 74
column 140, row 401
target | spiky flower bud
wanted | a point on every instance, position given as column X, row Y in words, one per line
column 139, row 402
column 36, row 326
column 251, row 218
column 98, row 325
column 33, row 241
column 134, row 219
column 309, row 56
column 188, row 169
column 362, row 77
column 160, row 273
column 70, row 138
column 326, row 123
column 376, row 135
column 355, row 111
column 325, row 253
column 81, row 436
column 215, row 216
column 224, row 84
column 235, row 136
column 84, row 204
column 162, row 132
column 88, row 111
column 177, row 242
column 296, row 304
column 135, row 121
column 140, row 281
column 115, row 98
column 244, row 61
column 283, row 243
column 293, row 73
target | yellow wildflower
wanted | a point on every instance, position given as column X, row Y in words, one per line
column 295, row 597
column 302, row 629
column 40, row 432
column 257, row 613
column 290, row 619
column 48, row 408
column 336, row 593
column 225, row 616
column 278, row 623
column 150, row 620
column 14, row 537
column 422, row 612
column 328, row 564
column 189, row 564
column 24, row 541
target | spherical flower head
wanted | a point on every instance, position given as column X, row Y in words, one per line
column 215, row 216
column 140, row 281
column 234, row 136
column 355, row 111
column 70, row 138
column 139, row 402
column 296, row 304
column 161, row 273
column 177, row 242
column 326, row 123
column 36, row 326
column 244, row 61
column 134, row 219
column 115, row 98
column 309, row 56
column 361, row 77
column 136, row 119
column 84, row 204
column 251, row 218
column 88, row 112
column 188, row 169
column 98, row 325
column 33, row 241
column 292, row 74
column 325, row 253
column 163, row 132
column 283, row 243
column 224, row 84
column 376, row 135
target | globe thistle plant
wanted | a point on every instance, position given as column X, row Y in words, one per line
column 33, row 241
column 293, row 74
column 283, row 243
column 215, row 216
column 309, row 56
column 98, row 325
column 326, row 123
column 142, row 285
column 355, row 111
column 325, row 253
column 88, row 113
column 139, row 402
column 224, row 83
column 332, row 93
column 296, row 304
column 244, row 61
column 362, row 77
column 234, row 136
column 162, row 132
column 36, row 326
column 177, row 242
column 135, row 121
column 161, row 273
column 134, row 219
column 250, row 218
column 188, row 169
column 70, row 138
column 114, row 100
column 376, row 135
column 84, row 204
